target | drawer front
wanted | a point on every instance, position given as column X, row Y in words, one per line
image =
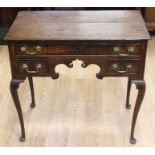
column 83, row 49
column 122, row 67
column 32, row 67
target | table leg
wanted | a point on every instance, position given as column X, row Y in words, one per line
column 14, row 85
column 140, row 85
column 32, row 92
column 128, row 105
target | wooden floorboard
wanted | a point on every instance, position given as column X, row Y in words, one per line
column 77, row 109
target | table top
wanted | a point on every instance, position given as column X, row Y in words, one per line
column 78, row 25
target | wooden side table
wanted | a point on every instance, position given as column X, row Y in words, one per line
column 40, row 40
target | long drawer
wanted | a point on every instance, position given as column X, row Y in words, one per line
column 82, row 49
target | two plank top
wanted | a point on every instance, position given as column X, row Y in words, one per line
column 78, row 25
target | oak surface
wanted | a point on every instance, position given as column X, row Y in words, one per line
column 73, row 119
column 78, row 25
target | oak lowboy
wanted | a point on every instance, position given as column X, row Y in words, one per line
column 40, row 40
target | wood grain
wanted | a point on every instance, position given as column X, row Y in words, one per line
column 65, row 114
column 149, row 14
column 78, row 25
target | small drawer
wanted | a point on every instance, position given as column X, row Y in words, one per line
column 123, row 67
column 34, row 67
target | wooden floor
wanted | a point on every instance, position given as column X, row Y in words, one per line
column 77, row 109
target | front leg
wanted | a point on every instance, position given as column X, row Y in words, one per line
column 14, row 85
column 140, row 85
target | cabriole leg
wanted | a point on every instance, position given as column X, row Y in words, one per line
column 140, row 85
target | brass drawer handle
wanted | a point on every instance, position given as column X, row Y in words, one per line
column 131, row 49
column 119, row 69
column 38, row 67
column 31, row 53
column 38, row 49
column 118, row 51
